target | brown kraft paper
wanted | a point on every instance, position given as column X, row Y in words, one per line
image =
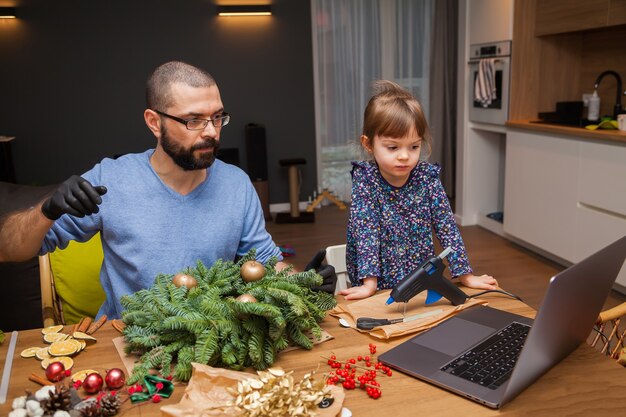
column 375, row 307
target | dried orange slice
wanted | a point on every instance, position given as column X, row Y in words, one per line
column 30, row 352
column 52, row 329
column 79, row 346
column 65, row 360
column 54, row 337
column 83, row 344
column 82, row 336
column 62, row 348
column 80, row 375
column 42, row 353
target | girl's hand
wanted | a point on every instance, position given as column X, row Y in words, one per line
column 484, row 282
column 366, row 290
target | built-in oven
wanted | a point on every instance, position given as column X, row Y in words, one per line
column 495, row 111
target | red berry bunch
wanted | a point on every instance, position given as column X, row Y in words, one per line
column 345, row 373
column 135, row 388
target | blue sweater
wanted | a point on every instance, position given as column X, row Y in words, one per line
column 148, row 229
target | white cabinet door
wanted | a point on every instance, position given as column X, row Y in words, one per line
column 601, row 209
column 541, row 191
column 490, row 20
column 602, row 176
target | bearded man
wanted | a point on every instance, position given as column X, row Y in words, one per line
column 158, row 211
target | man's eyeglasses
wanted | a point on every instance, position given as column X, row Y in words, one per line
column 199, row 124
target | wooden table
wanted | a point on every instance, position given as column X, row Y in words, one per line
column 585, row 383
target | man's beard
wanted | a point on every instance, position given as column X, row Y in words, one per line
column 185, row 158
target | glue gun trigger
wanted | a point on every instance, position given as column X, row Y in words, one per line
column 432, row 297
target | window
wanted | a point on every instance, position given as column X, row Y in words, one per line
column 354, row 43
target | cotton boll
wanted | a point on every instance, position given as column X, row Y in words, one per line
column 44, row 392
column 19, row 402
column 61, row 413
column 20, row 412
column 34, row 408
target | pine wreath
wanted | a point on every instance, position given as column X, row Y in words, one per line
column 170, row 325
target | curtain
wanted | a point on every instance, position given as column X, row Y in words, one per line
column 444, row 90
column 354, row 43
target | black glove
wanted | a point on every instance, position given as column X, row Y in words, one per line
column 75, row 196
column 326, row 271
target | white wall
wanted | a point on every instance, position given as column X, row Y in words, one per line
column 480, row 147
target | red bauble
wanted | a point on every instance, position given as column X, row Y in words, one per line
column 55, row 371
column 115, row 378
column 93, row 383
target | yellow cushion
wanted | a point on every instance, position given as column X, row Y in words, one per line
column 76, row 272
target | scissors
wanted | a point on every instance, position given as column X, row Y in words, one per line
column 368, row 323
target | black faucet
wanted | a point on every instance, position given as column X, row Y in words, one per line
column 618, row 99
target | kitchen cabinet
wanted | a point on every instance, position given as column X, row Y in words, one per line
column 540, row 191
column 565, row 195
column 490, row 21
column 617, row 12
column 563, row 16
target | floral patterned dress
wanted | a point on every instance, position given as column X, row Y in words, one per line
column 390, row 228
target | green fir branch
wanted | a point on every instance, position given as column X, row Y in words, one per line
column 168, row 325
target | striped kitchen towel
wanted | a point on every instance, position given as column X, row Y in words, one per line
column 485, row 85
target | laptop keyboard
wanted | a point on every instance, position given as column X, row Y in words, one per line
column 490, row 363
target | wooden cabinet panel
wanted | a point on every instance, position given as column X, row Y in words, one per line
column 541, row 191
column 560, row 16
column 617, row 12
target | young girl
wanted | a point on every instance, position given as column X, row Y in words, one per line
column 397, row 200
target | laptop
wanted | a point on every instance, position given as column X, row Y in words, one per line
column 490, row 355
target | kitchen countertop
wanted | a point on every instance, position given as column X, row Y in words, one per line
column 609, row 135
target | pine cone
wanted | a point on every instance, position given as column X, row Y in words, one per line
column 60, row 399
column 110, row 405
column 91, row 410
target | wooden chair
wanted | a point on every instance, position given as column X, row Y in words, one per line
column 51, row 310
column 610, row 334
column 70, row 282
column 336, row 256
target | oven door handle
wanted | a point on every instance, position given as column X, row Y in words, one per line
column 476, row 61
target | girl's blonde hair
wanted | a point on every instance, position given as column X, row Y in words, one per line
column 394, row 112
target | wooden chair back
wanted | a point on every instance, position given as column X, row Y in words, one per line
column 336, row 256
column 610, row 332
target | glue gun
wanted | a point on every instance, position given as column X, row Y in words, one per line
column 428, row 277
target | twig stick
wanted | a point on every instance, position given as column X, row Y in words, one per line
column 84, row 325
column 39, row 379
column 97, row 324
column 77, row 325
column 118, row 325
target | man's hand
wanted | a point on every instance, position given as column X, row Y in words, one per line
column 326, row 271
column 76, row 196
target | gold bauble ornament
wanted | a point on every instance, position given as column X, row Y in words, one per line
column 246, row 298
column 252, row 271
column 184, row 280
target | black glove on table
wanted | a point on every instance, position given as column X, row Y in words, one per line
column 76, row 196
column 326, row 271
